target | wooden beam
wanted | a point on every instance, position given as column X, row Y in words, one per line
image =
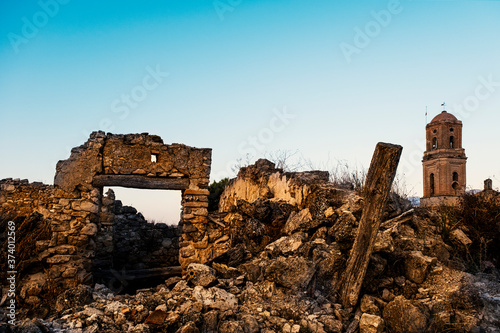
column 378, row 184
column 143, row 182
column 140, row 274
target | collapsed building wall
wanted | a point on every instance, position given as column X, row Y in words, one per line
column 88, row 232
column 67, row 252
column 140, row 161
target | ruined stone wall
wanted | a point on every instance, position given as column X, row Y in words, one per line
column 22, row 197
column 142, row 161
column 255, row 208
column 82, row 241
column 139, row 244
column 66, row 256
column 87, row 233
column 133, row 160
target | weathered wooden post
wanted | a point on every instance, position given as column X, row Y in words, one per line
column 378, row 184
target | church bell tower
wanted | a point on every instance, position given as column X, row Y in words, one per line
column 444, row 161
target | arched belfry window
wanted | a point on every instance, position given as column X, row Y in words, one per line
column 455, row 177
column 452, row 142
column 431, row 182
column 434, row 143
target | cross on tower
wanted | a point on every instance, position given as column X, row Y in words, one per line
column 444, row 106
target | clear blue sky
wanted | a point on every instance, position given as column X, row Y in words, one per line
column 327, row 78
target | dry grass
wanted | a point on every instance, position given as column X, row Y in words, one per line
column 479, row 217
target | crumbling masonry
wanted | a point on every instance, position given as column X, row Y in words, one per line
column 82, row 219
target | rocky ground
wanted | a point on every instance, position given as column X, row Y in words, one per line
column 287, row 252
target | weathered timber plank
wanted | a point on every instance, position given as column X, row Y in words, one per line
column 138, row 274
column 378, row 184
column 141, row 182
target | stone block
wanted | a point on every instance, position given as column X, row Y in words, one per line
column 60, row 227
column 90, row 229
column 383, row 242
column 188, row 227
column 197, row 192
column 87, row 206
column 300, row 221
column 368, row 305
column 329, row 212
column 64, row 249
column 215, row 298
column 70, row 272
column 286, row 245
column 195, row 204
column 203, row 244
column 401, row 315
column 459, row 237
column 200, row 275
column 371, row 324
column 291, row 272
column 59, row 259
column 157, row 317
column 187, row 251
column 417, row 266
column 199, row 211
column 55, row 271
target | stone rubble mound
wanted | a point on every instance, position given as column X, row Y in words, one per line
column 288, row 240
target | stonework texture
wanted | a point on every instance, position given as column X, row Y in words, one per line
column 89, row 231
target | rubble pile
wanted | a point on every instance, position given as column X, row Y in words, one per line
column 139, row 244
column 277, row 247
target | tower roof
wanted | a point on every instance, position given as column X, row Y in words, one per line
column 444, row 116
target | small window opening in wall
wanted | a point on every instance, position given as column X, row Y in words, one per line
column 451, row 130
column 154, row 157
column 455, row 187
column 434, row 143
column 455, row 177
column 432, row 184
column 452, row 142
column 435, row 131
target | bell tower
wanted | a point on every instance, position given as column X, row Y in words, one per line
column 444, row 161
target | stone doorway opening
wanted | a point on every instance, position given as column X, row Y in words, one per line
column 157, row 206
column 140, row 251
column 140, row 161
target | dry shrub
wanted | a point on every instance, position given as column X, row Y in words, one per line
column 29, row 230
column 478, row 215
column 345, row 176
